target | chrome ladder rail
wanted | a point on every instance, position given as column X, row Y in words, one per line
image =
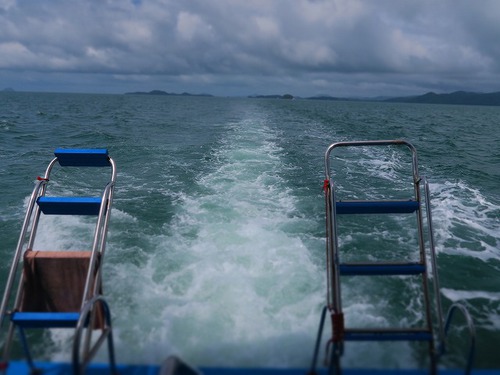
column 91, row 297
column 336, row 269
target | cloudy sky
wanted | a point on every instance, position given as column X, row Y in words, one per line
column 246, row 47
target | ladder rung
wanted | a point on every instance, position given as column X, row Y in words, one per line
column 45, row 319
column 82, row 157
column 69, row 205
column 381, row 269
column 376, row 207
column 387, row 335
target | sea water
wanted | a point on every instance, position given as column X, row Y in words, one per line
column 216, row 246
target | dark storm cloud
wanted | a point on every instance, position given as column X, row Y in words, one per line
column 340, row 47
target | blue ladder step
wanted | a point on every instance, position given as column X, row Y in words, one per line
column 69, row 205
column 388, row 335
column 45, row 319
column 376, row 207
column 369, row 269
column 82, row 157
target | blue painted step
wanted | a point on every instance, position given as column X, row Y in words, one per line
column 69, row 205
column 388, row 335
column 45, row 319
column 82, row 157
column 355, row 269
column 376, row 207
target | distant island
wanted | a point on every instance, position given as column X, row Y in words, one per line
column 457, row 97
column 160, row 92
column 328, row 97
column 286, row 96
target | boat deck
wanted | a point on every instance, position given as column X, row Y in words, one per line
column 49, row 368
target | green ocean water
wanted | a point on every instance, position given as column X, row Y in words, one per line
column 216, row 242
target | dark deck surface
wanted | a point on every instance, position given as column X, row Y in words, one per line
column 20, row 368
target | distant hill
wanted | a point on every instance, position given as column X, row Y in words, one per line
column 328, row 97
column 457, row 97
column 277, row 96
column 160, row 92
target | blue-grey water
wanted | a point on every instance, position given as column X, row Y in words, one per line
column 216, row 242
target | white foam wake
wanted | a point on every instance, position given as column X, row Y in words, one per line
column 229, row 284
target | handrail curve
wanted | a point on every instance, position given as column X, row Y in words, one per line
column 472, row 332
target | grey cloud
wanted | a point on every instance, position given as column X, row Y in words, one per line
column 302, row 46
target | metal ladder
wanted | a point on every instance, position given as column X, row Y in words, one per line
column 91, row 312
column 433, row 332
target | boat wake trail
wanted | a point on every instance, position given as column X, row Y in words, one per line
column 230, row 283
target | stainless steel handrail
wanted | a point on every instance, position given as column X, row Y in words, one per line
column 333, row 274
column 333, row 266
column 437, row 287
column 472, row 333
column 19, row 249
column 85, row 320
column 370, row 143
column 100, row 233
column 27, row 239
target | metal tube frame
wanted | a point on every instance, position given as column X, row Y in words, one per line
column 333, row 267
column 85, row 321
column 30, row 226
column 472, row 333
column 19, row 249
column 98, row 247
